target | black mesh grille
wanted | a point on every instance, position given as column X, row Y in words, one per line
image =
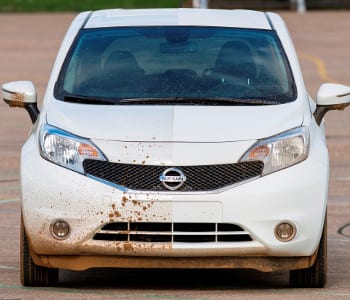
column 172, row 232
column 199, row 178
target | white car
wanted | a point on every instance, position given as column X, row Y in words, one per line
column 175, row 138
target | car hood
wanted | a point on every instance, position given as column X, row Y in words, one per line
column 172, row 123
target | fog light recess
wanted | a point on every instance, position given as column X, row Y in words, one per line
column 285, row 231
column 60, row 229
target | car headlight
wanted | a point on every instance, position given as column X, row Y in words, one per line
column 66, row 149
column 280, row 151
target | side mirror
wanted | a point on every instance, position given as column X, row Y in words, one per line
column 331, row 96
column 21, row 94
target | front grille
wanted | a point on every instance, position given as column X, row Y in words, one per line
column 199, row 178
column 172, row 232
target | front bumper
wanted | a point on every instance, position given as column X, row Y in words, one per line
column 297, row 194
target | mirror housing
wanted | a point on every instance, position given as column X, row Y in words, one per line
column 331, row 96
column 21, row 94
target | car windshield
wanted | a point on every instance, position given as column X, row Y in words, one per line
column 162, row 65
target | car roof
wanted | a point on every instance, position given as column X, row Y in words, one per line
column 178, row 17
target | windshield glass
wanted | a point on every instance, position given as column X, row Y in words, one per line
column 176, row 62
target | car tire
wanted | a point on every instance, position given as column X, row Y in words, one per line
column 32, row 274
column 315, row 276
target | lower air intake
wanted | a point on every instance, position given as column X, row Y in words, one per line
column 172, row 232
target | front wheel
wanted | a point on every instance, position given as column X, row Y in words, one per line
column 315, row 276
column 32, row 274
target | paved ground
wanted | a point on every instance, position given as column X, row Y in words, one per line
column 28, row 45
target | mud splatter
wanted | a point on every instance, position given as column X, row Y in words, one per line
column 135, row 202
column 127, row 247
column 17, row 100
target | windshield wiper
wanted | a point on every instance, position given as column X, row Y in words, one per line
column 199, row 101
column 170, row 100
column 88, row 100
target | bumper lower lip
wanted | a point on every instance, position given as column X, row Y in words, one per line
column 264, row 264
